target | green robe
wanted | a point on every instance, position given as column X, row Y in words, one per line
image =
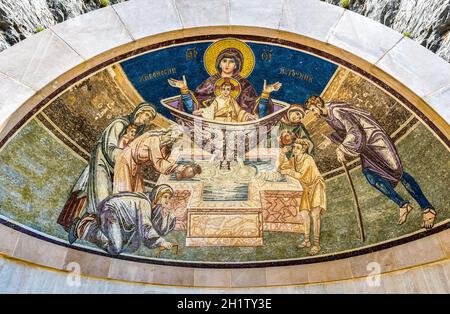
column 101, row 164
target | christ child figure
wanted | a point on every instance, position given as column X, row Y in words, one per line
column 224, row 107
column 128, row 137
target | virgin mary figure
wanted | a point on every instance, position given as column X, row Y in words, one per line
column 227, row 58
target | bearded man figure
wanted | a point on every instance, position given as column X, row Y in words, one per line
column 358, row 134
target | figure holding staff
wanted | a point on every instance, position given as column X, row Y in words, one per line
column 358, row 134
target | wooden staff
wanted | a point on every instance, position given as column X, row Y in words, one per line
column 355, row 200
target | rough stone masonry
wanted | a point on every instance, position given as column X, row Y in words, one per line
column 426, row 21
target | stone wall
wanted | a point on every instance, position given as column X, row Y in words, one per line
column 19, row 277
column 426, row 21
column 20, row 19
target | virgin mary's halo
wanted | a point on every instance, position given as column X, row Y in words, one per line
column 215, row 49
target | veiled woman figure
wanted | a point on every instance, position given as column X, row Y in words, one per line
column 292, row 127
column 163, row 220
column 227, row 58
column 95, row 182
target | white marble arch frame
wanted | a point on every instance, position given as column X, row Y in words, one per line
column 39, row 68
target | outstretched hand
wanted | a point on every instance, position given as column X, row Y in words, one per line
column 285, row 149
column 252, row 117
column 177, row 83
column 188, row 172
column 271, row 87
column 288, row 172
column 340, row 156
column 325, row 143
column 167, row 245
column 198, row 112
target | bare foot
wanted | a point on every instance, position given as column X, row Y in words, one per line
column 429, row 215
column 314, row 250
column 404, row 211
column 304, row 244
